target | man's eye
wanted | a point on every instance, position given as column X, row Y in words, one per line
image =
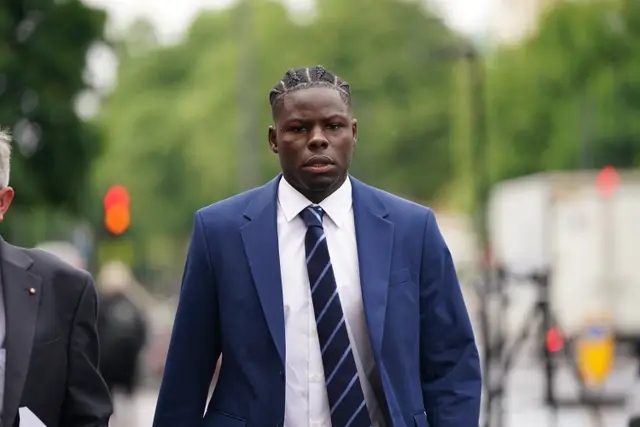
column 334, row 126
column 297, row 129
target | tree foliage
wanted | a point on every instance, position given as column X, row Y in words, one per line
column 568, row 97
column 172, row 123
column 565, row 98
column 42, row 61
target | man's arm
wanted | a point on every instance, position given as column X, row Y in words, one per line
column 450, row 367
column 195, row 345
column 87, row 402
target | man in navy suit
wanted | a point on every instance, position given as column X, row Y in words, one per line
column 332, row 303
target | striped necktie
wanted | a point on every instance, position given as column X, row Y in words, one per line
column 346, row 399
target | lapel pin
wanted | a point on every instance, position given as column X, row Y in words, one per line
column 32, row 291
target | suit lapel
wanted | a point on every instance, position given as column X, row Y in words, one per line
column 21, row 296
column 374, row 235
column 260, row 238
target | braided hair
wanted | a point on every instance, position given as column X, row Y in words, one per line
column 304, row 78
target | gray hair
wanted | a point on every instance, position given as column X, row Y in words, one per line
column 5, row 157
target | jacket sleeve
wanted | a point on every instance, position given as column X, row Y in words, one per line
column 87, row 402
column 450, row 367
column 195, row 341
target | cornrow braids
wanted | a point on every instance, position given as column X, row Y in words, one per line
column 304, row 78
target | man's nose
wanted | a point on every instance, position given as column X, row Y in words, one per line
column 317, row 138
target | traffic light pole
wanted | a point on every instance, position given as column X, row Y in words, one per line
column 478, row 116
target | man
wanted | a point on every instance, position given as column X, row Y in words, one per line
column 333, row 303
column 122, row 328
column 48, row 341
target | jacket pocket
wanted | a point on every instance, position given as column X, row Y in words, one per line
column 399, row 276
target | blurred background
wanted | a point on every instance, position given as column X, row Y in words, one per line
column 516, row 120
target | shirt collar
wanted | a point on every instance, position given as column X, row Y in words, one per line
column 337, row 206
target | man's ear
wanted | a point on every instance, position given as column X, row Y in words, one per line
column 354, row 129
column 273, row 140
column 6, row 197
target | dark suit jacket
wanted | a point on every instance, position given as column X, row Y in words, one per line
column 51, row 341
column 231, row 303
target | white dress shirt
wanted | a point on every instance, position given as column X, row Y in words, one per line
column 306, row 401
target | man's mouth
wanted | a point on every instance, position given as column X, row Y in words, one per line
column 319, row 164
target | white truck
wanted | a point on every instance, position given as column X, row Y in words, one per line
column 591, row 244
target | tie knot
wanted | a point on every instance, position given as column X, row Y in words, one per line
column 312, row 216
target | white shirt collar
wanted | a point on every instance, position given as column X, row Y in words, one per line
column 337, row 206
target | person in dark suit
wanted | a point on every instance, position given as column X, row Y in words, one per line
column 48, row 339
column 332, row 303
column 122, row 329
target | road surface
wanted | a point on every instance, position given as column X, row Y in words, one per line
column 523, row 406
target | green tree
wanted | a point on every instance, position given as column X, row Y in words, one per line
column 42, row 61
column 172, row 123
column 567, row 98
column 400, row 58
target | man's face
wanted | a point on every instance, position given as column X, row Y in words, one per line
column 6, row 197
column 314, row 136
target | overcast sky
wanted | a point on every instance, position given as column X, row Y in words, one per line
column 173, row 16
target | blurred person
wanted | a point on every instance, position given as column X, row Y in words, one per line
column 48, row 341
column 122, row 328
column 160, row 322
column 332, row 303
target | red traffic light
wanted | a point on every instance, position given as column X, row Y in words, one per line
column 555, row 342
column 607, row 181
column 117, row 217
column 117, row 195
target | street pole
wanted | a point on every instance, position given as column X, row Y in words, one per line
column 248, row 114
column 586, row 154
column 478, row 115
column 477, row 112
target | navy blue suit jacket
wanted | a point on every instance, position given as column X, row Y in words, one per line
column 231, row 303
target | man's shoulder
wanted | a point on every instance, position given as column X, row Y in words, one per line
column 230, row 212
column 231, row 205
column 41, row 259
column 46, row 261
column 398, row 205
column 47, row 266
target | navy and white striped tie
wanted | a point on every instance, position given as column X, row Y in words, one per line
column 346, row 399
